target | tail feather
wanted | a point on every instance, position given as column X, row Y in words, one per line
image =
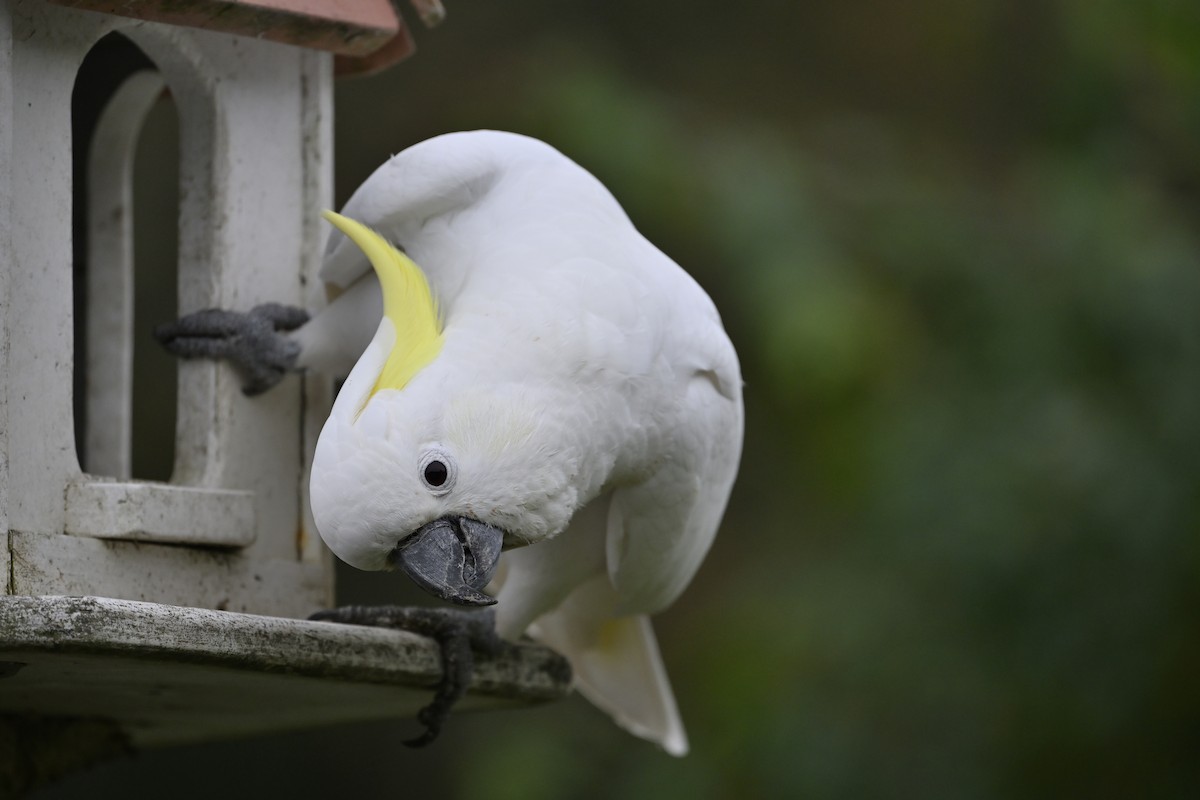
column 617, row 664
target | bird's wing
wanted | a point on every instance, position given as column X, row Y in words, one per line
column 660, row 529
column 562, row 587
column 616, row 663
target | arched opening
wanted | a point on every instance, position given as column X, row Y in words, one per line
column 125, row 226
column 156, row 289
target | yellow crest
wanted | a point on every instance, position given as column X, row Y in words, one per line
column 408, row 303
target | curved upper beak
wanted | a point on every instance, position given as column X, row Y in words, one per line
column 452, row 558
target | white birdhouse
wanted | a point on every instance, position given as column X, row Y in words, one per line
column 229, row 530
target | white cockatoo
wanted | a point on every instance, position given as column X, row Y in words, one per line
column 535, row 376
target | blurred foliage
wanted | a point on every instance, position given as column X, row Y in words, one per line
column 955, row 244
column 962, row 556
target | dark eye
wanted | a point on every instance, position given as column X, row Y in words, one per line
column 436, row 473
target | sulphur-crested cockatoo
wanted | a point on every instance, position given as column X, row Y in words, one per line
column 546, row 382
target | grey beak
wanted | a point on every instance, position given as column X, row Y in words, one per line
column 452, row 558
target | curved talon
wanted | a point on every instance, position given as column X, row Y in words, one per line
column 252, row 341
column 458, row 668
column 459, row 635
column 283, row 317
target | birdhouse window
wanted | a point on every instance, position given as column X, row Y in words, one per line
column 125, row 143
column 121, row 400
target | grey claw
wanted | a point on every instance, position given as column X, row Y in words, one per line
column 252, row 341
column 460, row 635
column 284, row 318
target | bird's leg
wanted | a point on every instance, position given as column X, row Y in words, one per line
column 459, row 634
column 253, row 341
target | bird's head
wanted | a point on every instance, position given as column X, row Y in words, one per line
column 419, row 467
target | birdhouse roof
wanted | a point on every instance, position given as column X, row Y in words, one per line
column 367, row 35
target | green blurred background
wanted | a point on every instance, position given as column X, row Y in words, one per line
column 955, row 243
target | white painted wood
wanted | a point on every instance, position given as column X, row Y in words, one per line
column 255, row 171
column 110, row 210
column 161, row 513
column 6, row 269
column 200, row 577
column 37, row 376
column 317, row 125
column 241, row 243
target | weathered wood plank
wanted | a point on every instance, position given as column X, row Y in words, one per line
column 169, row 675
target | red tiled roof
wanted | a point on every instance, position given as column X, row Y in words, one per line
column 367, row 35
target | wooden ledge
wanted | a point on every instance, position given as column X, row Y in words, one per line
column 168, row 675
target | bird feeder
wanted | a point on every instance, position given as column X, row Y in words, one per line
column 155, row 608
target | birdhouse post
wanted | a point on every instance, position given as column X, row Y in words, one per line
column 155, row 562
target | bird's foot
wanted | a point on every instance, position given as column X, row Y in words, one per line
column 460, row 634
column 253, row 341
